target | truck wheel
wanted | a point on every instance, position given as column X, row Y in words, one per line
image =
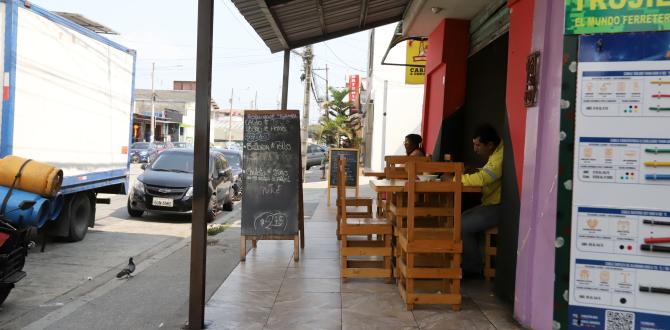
column 5, row 289
column 80, row 212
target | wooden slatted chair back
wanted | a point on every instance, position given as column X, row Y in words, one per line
column 449, row 187
column 342, row 188
column 395, row 165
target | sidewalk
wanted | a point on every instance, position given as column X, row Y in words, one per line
column 270, row 291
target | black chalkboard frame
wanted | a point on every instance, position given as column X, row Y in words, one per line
column 332, row 163
column 298, row 238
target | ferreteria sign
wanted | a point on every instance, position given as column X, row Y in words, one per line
column 612, row 16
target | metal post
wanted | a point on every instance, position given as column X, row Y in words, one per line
column 386, row 87
column 153, row 101
column 284, row 85
column 196, row 310
column 230, row 117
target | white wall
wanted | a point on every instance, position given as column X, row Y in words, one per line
column 73, row 98
column 404, row 102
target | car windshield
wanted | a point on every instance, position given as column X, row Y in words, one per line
column 234, row 160
column 173, row 162
column 181, row 162
column 140, row 145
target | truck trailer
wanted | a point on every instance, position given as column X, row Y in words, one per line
column 67, row 101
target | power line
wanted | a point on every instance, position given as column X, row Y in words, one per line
column 339, row 59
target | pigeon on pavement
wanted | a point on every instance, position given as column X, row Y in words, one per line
column 128, row 270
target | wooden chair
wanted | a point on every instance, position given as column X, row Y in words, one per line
column 396, row 169
column 395, row 165
column 361, row 255
column 490, row 252
column 357, row 202
column 430, row 246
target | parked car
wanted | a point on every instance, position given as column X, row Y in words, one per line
column 234, row 159
column 183, row 145
column 142, row 152
column 162, row 146
column 166, row 186
column 316, row 155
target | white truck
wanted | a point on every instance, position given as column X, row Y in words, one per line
column 67, row 101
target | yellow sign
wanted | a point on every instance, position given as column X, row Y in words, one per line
column 615, row 16
column 417, row 51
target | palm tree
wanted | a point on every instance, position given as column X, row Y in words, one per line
column 340, row 125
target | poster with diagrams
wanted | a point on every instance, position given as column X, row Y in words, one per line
column 620, row 246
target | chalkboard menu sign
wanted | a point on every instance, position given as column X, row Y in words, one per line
column 351, row 166
column 271, row 173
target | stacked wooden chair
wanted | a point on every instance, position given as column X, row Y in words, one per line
column 395, row 206
column 365, row 246
column 354, row 202
column 430, row 245
column 490, row 252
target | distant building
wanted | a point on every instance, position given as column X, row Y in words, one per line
column 174, row 112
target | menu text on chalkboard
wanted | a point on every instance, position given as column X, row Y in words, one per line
column 271, row 173
column 351, row 166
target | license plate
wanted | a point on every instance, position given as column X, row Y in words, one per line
column 164, row 202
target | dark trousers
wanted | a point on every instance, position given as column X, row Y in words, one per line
column 475, row 221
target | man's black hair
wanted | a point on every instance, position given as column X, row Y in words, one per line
column 486, row 133
column 415, row 139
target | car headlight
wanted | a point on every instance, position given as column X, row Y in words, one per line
column 139, row 186
column 189, row 193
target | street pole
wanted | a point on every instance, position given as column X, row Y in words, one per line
column 327, row 92
column 307, row 60
column 230, row 117
column 201, row 196
column 386, row 86
column 153, row 102
column 256, row 101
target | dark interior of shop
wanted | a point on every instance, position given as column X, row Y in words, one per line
column 485, row 103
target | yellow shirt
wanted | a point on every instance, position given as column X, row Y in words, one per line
column 488, row 177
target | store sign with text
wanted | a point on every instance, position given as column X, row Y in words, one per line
column 416, row 62
column 354, row 85
column 615, row 16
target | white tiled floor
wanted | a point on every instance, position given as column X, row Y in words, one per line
column 270, row 291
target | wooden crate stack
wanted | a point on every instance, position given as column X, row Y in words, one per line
column 365, row 246
column 430, row 245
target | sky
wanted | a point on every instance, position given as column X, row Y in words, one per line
column 164, row 32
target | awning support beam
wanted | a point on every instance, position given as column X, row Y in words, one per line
column 322, row 19
column 364, row 13
column 203, row 96
column 274, row 23
column 284, row 83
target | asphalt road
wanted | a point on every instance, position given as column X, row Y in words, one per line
column 73, row 285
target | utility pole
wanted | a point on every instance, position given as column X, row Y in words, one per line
column 153, row 101
column 307, row 60
column 230, row 117
column 256, row 101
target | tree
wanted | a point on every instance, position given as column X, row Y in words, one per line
column 340, row 125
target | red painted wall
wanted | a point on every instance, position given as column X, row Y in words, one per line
column 520, row 41
column 445, row 76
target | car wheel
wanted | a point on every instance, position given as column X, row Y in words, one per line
column 228, row 206
column 5, row 289
column 213, row 207
column 134, row 213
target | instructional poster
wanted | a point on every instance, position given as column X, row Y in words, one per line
column 620, row 253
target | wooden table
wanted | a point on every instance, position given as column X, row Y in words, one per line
column 375, row 173
column 398, row 185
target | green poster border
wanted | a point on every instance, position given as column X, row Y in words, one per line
column 616, row 27
column 565, row 175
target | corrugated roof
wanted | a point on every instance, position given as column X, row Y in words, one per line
column 288, row 24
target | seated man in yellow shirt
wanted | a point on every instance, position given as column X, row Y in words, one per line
column 487, row 144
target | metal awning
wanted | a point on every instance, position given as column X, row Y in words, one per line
column 288, row 24
column 87, row 23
